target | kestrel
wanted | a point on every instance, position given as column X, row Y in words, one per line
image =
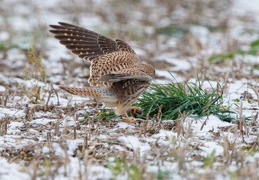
column 116, row 77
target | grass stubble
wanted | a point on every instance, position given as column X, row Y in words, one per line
column 179, row 151
column 174, row 156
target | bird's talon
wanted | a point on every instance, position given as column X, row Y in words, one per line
column 129, row 120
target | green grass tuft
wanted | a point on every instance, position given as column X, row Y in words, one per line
column 173, row 99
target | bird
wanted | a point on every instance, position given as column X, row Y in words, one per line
column 117, row 78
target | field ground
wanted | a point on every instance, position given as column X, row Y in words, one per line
column 46, row 133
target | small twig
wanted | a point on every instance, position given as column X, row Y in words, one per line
column 159, row 113
column 56, row 128
column 49, row 137
column 85, row 147
column 75, row 134
column 241, row 122
column 27, row 112
column 256, row 93
column 5, row 99
column 3, row 125
column 55, row 92
column 46, row 105
column 204, row 123
column 38, row 94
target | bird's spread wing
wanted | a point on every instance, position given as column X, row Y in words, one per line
column 87, row 44
column 110, row 63
column 122, row 46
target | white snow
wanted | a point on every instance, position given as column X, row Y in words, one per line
column 133, row 143
column 27, row 21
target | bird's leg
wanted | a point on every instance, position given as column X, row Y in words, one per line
column 129, row 120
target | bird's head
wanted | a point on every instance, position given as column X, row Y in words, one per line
column 148, row 69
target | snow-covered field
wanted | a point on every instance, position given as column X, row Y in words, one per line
column 46, row 133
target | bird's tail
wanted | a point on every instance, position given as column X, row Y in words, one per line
column 88, row 91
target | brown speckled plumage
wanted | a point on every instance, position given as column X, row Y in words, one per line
column 116, row 77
